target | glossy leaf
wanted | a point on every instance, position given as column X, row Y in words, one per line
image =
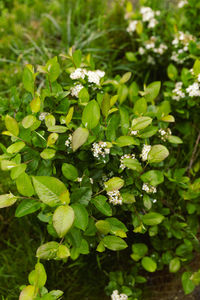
column 63, row 219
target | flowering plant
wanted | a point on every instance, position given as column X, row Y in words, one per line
column 90, row 157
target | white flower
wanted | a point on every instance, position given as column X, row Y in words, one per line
column 147, row 13
column 164, row 133
column 152, row 23
column 100, row 73
column 177, row 91
column 91, row 180
column 115, row 197
column 141, row 50
column 150, row 189
column 116, row 296
column 145, row 151
column 100, row 149
column 198, row 78
column 132, row 26
column 78, row 74
column 131, row 156
column 193, row 90
column 182, row 3
column 79, row 179
column 134, row 132
column 76, row 89
column 68, row 141
column 43, row 115
column 93, row 77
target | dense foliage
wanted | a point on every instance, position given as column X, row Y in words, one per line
column 105, row 153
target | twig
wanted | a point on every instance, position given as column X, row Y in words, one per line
column 193, row 153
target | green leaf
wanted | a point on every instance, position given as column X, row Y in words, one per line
column 196, row 67
column 152, row 91
column 140, row 123
column 168, row 119
column 57, row 129
column 114, row 183
column 16, row 147
column 38, row 277
column 152, row 218
column 29, row 78
column 132, row 164
column 139, row 250
column 124, row 116
column 83, row 95
column 172, row 72
column 27, row 293
column 103, row 226
column 69, row 171
column 91, row 115
column 174, row 265
column 24, row 185
column 81, row 216
column 124, row 141
column 63, row 219
column 157, row 154
column 174, row 139
column 125, row 77
column 130, row 56
column 128, row 198
column 149, row 264
column 82, row 195
column 101, row 204
column 105, row 105
column 50, row 121
column 148, row 132
column 48, row 153
column 116, row 226
column 53, row 69
column 79, row 137
column 140, row 107
column 7, row 200
column 48, row 250
column 114, row 243
column 12, row 125
column 16, row 171
column 187, row 283
column 63, row 252
column 77, row 56
column 27, row 207
column 7, row 165
column 49, row 189
column 122, row 93
column 28, row 121
column 153, row 177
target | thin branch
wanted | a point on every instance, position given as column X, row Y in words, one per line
column 193, row 153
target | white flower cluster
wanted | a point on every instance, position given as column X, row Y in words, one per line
column 145, row 151
column 43, row 115
column 68, row 141
column 115, row 197
column 132, row 26
column 148, row 15
column 76, row 89
column 131, row 156
column 100, row 149
column 181, row 44
column 116, row 296
column 193, row 90
column 134, row 132
column 177, row 91
column 92, row 76
column 151, row 45
column 182, row 3
column 150, row 189
column 164, row 133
